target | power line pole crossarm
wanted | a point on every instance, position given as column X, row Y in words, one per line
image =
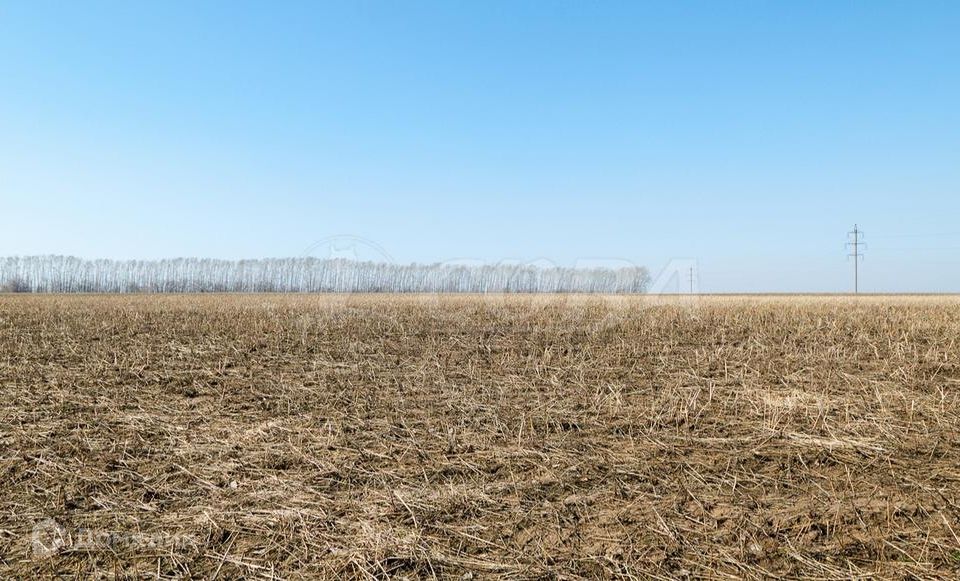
column 856, row 245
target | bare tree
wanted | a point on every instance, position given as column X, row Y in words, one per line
column 66, row 274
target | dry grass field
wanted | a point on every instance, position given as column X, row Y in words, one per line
column 278, row 436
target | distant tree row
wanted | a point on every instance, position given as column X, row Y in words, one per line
column 67, row 274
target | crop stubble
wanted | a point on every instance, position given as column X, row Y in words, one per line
column 520, row 436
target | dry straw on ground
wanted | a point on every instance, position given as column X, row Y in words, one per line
column 573, row 437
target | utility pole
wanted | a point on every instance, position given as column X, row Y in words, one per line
column 691, row 280
column 856, row 244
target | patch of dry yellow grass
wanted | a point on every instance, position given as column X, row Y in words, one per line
column 515, row 436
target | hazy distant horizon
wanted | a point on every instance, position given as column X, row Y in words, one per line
column 748, row 137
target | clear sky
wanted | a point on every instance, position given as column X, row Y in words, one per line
column 749, row 136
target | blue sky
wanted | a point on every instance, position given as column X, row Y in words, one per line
column 749, row 136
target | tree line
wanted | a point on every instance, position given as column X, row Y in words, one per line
column 68, row 274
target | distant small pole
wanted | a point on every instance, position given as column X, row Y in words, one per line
column 691, row 280
column 855, row 243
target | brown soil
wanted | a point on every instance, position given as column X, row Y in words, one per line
column 474, row 437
